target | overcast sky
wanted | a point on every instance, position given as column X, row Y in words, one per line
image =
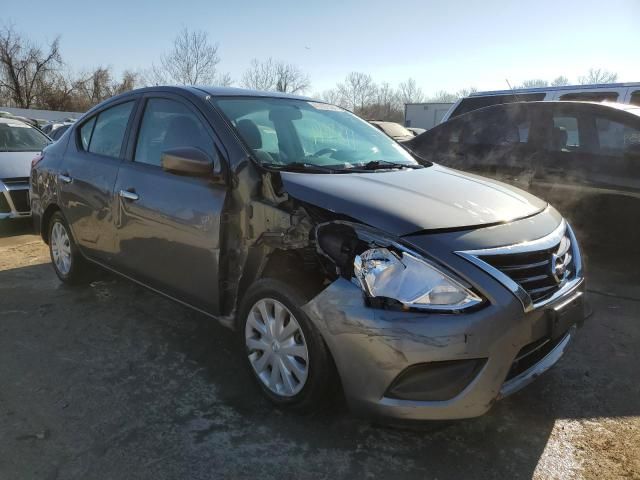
column 444, row 45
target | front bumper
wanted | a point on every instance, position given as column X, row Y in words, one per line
column 14, row 201
column 372, row 347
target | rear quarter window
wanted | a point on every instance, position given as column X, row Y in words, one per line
column 104, row 133
column 85, row 133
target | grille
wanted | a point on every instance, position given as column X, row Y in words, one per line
column 4, row 205
column 540, row 273
column 16, row 181
column 20, row 199
column 532, row 354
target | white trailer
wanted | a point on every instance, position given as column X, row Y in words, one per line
column 424, row 115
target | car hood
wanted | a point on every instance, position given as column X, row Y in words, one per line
column 15, row 164
column 401, row 202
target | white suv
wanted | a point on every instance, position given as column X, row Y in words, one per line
column 607, row 92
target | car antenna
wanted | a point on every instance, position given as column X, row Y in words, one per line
column 513, row 90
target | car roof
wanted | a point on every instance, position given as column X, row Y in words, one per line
column 243, row 92
column 632, row 109
column 219, row 92
column 13, row 120
column 517, row 91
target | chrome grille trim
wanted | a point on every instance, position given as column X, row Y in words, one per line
column 555, row 238
column 8, row 191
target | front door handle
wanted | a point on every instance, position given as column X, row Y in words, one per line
column 64, row 178
column 129, row 195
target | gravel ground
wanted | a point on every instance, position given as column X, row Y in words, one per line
column 110, row 381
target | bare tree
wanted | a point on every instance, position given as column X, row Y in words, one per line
column 330, row 96
column 193, row 60
column 95, row 86
column 385, row 106
column 224, row 80
column 260, row 75
column 276, row 76
column 57, row 92
column 290, row 79
column 444, row 97
column 129, row 81
column 410, row 92
column 534, row 83
column 560, row 81
column 598, row 75
column 25, row 66
column 357, row 91
column 465, row 92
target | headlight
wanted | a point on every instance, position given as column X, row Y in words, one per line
column 410, row 280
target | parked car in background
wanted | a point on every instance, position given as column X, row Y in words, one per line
column 29, row 121
column 47, row 128
column 582, row 157
column 394, row 130
column 51, row 127
column 57, row 132
column 416, row 130
column 19, row 143
column 329, row 249
column 627, row 93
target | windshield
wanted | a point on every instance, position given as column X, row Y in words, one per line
column 283, row 132
column 16, row 136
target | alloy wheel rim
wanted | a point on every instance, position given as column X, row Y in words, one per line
column 276, row 347
column 61, row 248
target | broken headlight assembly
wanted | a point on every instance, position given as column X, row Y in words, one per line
column 410, row 280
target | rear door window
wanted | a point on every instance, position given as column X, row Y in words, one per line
column 85, row 133
column 635, row 98
column 499, row 127
column 565, row 135
column 109, row 130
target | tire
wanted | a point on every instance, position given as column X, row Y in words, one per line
column 68, row 263
column 310, row 392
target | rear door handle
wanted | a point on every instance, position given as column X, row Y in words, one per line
column 129, row 195
column 64, row 178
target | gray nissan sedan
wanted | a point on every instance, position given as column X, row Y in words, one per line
column 341, row 261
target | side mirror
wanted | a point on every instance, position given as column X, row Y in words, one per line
column 189, row 161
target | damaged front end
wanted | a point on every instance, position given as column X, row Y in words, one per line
column 310, row 247
column 414, row 330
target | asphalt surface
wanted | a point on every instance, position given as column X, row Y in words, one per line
column 110, row 381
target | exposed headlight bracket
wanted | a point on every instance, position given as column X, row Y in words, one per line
column 387, row 270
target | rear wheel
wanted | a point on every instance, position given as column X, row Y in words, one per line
column 67, row 260
column 284, row 350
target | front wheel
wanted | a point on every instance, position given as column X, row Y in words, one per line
column 68, row 263
column 284, row 350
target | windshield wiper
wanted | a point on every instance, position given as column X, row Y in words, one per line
column 302, row 167
column 386, row 164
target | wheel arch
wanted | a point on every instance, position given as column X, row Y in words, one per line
column 46, row 218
